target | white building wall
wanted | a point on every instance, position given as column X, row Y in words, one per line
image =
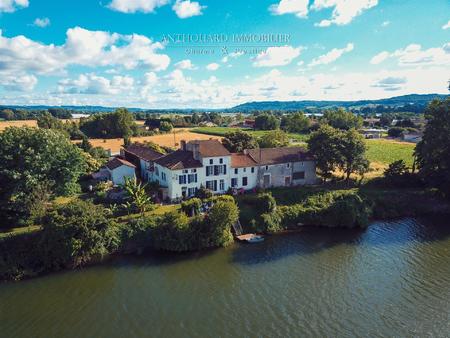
column 119, row 174
column 252, row 178
column 309, row 167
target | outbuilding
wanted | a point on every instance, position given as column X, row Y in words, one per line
column 119, row 169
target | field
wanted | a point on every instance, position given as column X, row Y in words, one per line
column 386, row 151
column 28, row 123
column 167, row 140
column 221, row 131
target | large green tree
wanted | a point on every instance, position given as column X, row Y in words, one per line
column 352, row 153
column 110, row 125
column 266, row 122
column 295, row 122
column 31, row 158
column 239, row 140
column 342, row 119
column 433, row 152
column 274, row 139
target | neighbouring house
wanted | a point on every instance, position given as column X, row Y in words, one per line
column 142, row 157
column 248, row 123
column 371, row 133
column 412, row 137
column 119, row 169
column 207, row 124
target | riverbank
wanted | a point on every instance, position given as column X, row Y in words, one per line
column 28, row 254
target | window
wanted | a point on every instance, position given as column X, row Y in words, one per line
column 192, row 191
column 220, row 170
column 185, row 171
column 209, row 170
column 163, row 176
column 236, row 171
column 245, row 170
column 300, row 175
column 222, row 185
column 234, row 182
column 192, row 178
column 288, row 165
column 211, row 161
column 253, row 170
column 182, row 179
column 193, row 170
column 221, row 160
column 156, row 171
column 267, row 167
column 244, row 181
column 211, row 185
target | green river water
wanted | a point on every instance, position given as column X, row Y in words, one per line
column 391, row 280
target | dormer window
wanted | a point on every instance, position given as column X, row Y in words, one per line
column 211, row 161
column 221, row 160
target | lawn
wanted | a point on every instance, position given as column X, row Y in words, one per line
column 384, row 151
column 221, row 131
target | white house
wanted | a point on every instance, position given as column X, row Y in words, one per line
column 143, row 157
column 209, row 164
column 119, row 169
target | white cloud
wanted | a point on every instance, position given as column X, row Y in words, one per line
column 133, row 6
column 447, row 25
column 96, row 85
column 390, row 83
column 185, row 8
column 185, row 64
column 276, row 56
column 9, row 6
column 213, row 66
column 414, row 55
column 24, row 83
column 344, row 10
column 385, row 23
column 41, row 22
column 233, row 55
column 331, row 56
column 82, row 47
column 380, row 57
column 297, row 7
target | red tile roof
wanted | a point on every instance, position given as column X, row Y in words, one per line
column 117, row 162
column 242, row 161
column 179, row 159
column 210, row 148
column 142, row 151
column 265, row 156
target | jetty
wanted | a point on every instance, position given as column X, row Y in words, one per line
column 250, row 238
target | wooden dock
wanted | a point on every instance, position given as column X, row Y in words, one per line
column 251, row 238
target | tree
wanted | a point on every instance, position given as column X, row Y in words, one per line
column 165, row 126
column 137, row 195
column 274, row 139
column 295, row 123
column 266, row 122
column 75, row 233
column 396, row 131
column 324, row 144
column 433, row 152
column 352, row 153
column 221, row 218
column 47, row 121
column 110, row 125
column 29, row 156
column 7, row 114
column 239, row 140
column 342, row 119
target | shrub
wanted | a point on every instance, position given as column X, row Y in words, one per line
column 192, row 206
column 396, row 131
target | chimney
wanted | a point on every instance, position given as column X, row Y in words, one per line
column 196, row 151
column 183, row 145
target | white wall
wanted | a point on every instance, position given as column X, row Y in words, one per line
column 252, row 178
column 118, row 175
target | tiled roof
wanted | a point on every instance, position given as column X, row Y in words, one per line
column 242, row 161
column 210, row 148
column 143, row 152
column 179, row 159
column 267, row 156
column 117, row 162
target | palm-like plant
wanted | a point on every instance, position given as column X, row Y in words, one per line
column 137, row 195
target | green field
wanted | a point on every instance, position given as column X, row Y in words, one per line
column 388, row 151
column 221, row 131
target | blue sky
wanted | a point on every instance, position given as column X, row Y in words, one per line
column 111, row 52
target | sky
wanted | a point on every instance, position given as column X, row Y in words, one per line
column 217, row 54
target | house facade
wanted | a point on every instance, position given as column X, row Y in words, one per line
column 207, row 163
column 119, row 169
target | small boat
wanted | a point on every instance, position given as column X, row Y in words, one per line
column 255, row 239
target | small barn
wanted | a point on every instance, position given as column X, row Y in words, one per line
column 119, row 169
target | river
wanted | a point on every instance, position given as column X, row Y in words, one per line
column 392, row 279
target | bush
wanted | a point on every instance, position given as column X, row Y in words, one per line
column 192, row 206
column 396, row 131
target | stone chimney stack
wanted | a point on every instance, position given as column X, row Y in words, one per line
column 196, row 151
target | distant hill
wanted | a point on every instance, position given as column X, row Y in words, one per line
column 398, row 101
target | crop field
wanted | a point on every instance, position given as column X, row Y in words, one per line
column 167, row 140
column 385, row 151
column 221, row 131
column 28, row 123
